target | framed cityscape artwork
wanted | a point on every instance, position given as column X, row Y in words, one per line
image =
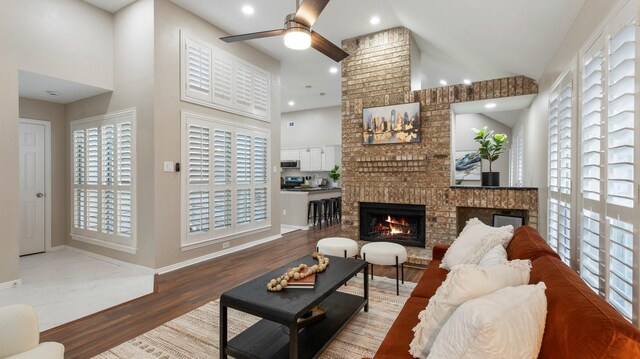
column 391, row 124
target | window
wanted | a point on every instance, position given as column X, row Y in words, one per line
column 214, row 78
column 602, row 213
column 516, row 177
column 226, row 180
column 560, row 128
column 103, row 177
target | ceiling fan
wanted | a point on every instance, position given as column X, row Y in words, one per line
column 297, row 31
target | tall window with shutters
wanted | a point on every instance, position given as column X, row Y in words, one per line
column 608, row 218
column 103, row 195
column 226, row 181
column 560, row 147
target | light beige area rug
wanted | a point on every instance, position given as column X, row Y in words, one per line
column 195, row 334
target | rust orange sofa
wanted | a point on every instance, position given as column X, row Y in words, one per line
column 580, row 324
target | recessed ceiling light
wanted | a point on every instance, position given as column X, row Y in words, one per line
column 248, row 10
column 52, row 93
column 467, row 81
column 490, row 105
column 374, row 20
column 291, row 103
column 443, row 82
column 333, row 70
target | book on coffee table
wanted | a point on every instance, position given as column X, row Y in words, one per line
column 307, row 282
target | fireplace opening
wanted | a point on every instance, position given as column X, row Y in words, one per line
column 400, row 223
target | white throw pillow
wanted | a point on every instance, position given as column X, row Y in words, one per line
column 474, row 242
column 508, row 323
column 497, row 255
column 464, row 282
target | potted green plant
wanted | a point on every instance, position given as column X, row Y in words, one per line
column 492, row 145
column 334, row 175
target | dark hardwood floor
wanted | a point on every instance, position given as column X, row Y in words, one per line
column 183, row 290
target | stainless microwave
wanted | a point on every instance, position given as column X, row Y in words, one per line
column 290, row 164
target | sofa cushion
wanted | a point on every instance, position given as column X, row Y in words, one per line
column 431, row 279
column 508, row 323
column 396, row 343
column 463, row 283
column 528, row 244
column 475, row 240
column 580, row 324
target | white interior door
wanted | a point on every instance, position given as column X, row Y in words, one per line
column 32, row 188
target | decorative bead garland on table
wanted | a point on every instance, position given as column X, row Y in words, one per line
column 301, row 272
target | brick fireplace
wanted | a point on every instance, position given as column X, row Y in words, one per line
column 378, row 73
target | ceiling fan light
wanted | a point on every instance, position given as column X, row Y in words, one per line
column 297, row 39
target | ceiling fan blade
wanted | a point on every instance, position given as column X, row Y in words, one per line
column 253, row 35
column 327, row 47
column 309, row 11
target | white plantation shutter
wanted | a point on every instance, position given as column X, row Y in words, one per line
column 261, row 89
column 243, row 178
column 102, row 171
column 124, row 154
column 608, row 217
column 228, row 179
column 244, row 206
column 93, row 155
column 621, row 185
column 199, row 177
column 560, row 150
column 108, row 211
column 124, row 213
column 198, row 70
column 591, row 160
column 108, row 154
column 222, row 80
column 199, row 217
column 214, row 78
column 243, row 85
column 260, row 177
column 261, row 207
column 222, row 209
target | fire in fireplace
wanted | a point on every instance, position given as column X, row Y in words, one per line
column 400, row 223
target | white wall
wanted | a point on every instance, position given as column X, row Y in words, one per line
column 464, row 142
column 68, row 39
column 535, row 120
column 169, row 20
column 133, row 54
column 316, row 127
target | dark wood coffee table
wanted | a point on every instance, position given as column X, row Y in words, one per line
column 278, row 334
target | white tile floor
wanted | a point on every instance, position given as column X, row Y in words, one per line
column 65, row 285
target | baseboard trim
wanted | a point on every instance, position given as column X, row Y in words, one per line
column 295, row 228
column 111, row 260
column 10, row 284
column 206, row 257
column 57, row 248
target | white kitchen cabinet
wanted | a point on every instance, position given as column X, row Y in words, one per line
column 316, row 158
column 305, row 160
column 329, row 158
column 289, row 155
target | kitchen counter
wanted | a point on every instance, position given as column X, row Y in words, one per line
column 312, row 189
column 295, row 202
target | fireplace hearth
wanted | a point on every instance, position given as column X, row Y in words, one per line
column 399, row 223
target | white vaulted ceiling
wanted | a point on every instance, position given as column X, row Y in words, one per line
column 462, row 39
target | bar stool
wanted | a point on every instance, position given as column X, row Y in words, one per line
column 337, row 208
column 328, row 210
column 317, row 206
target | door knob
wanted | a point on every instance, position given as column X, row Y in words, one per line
column 40, row 195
